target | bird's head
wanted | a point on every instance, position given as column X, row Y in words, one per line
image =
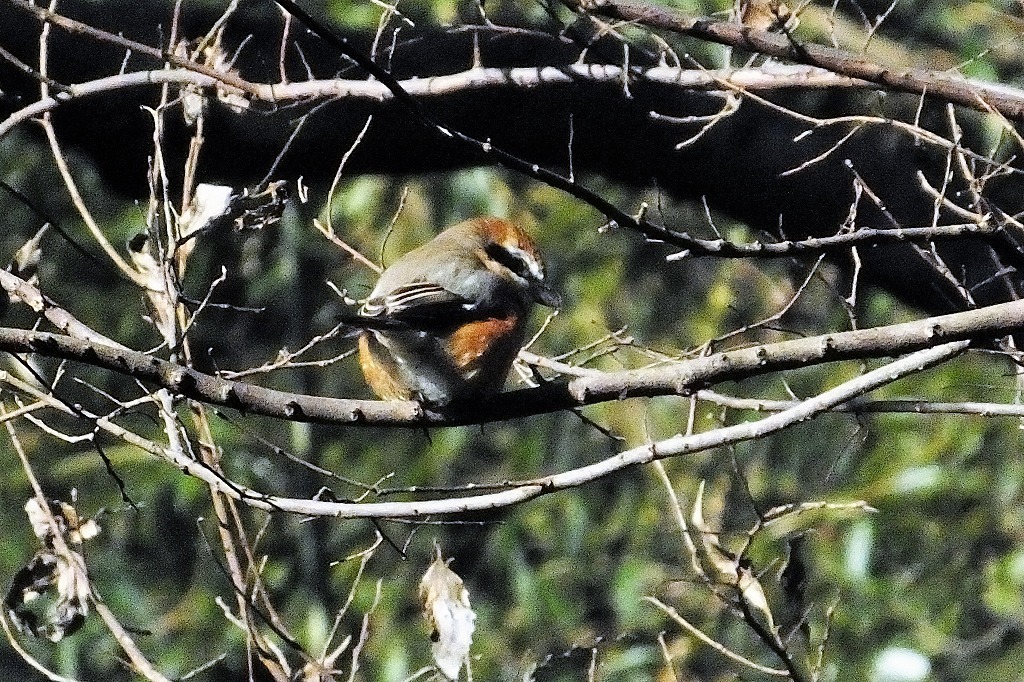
column 511, row 254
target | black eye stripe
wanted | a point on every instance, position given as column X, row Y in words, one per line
column 510, row 260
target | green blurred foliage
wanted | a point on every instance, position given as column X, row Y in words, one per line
column 554, row 577
column 566, row 571
column 939, row 568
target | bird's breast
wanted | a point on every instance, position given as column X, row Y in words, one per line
column 471, row 341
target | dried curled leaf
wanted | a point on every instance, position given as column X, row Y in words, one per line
column 722, row 568
column 753, row 596
column 49, row 596
column 215, row 207
column 26, row 258
column 194, row 100
column 793, row 576
column 768, row 15
column 209, row 202
column 162, row 300
column 452, row 621
column 260, row 206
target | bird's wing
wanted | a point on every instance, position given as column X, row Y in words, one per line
column 418, row 302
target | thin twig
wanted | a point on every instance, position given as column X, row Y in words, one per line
column 711, row 642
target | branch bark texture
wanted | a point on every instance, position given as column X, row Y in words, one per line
column 1007, row 101
column 676, row 378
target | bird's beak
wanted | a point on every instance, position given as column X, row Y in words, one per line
column 545, row 295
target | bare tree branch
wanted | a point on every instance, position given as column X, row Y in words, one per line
column 993, row 97
column 675, row 446
column 676, row 378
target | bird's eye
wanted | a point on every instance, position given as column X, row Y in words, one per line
column 516, row 262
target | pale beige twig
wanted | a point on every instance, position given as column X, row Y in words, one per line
column 711, row 642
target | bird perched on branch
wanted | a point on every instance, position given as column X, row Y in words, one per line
column 446, row 320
